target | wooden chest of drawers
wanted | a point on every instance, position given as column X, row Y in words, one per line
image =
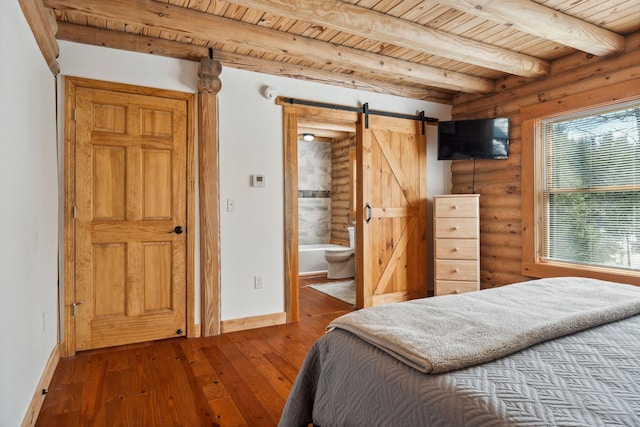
column 457, row 243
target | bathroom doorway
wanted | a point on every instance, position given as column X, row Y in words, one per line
column 329, row 127
column 326, row 214
column 391, row 202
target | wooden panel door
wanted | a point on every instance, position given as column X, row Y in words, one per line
column 130, row 176
column 392, row 211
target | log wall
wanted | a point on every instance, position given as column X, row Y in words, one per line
column 498, row 181
column 340, row 190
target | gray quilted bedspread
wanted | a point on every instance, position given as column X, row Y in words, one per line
column 590, row 378
column 436, row 335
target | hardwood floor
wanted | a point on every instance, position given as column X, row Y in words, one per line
column 235, row 379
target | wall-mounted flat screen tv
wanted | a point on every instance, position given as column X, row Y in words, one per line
column 473, row 139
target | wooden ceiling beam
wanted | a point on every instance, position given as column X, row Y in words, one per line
column 374, row 25
column 43, row 26
column 203, row 26
column 130, row 41
column 544, row 22
column 173, row 49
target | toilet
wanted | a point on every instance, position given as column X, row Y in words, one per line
column 342, row 262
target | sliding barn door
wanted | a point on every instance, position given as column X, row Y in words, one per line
column 131, row 185
column 392, row 211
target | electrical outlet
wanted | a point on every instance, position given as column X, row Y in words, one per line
column 257, row 281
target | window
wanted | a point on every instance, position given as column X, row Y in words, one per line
column 581, row 189
column 591, row 188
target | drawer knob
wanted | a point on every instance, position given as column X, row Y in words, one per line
column 456, row 291
column 454, row 228
column 456, row 270
column 456, row 249
column 454, row 207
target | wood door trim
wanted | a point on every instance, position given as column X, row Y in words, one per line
column 68, row 343
column 291, row 116
column 209, row 195
column 291, row 294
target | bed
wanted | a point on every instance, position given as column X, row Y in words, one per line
column 550, row 352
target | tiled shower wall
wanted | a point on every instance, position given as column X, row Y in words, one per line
column 314, row 192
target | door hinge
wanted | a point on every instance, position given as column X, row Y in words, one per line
column 75, row 212
column 74, row 115
column 75, row 306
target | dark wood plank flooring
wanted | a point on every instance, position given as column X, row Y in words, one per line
column 236, row 379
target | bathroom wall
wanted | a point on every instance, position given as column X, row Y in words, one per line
column 314, row 192
column 341, row 190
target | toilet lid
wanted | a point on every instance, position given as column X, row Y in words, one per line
column 338, row 251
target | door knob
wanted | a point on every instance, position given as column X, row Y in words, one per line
column 178, row 229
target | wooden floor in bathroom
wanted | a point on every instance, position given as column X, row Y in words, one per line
column 315, row 279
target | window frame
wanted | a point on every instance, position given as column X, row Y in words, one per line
column 532, row 175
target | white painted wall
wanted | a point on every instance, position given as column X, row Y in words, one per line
column 251, row 143
column 28, row 206
column 252, row 237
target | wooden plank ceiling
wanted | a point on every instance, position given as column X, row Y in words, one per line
column 420, row 49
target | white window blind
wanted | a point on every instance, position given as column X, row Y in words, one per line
column 591, row 189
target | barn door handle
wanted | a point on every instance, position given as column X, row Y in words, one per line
column 177, row 230
column 367, row 211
